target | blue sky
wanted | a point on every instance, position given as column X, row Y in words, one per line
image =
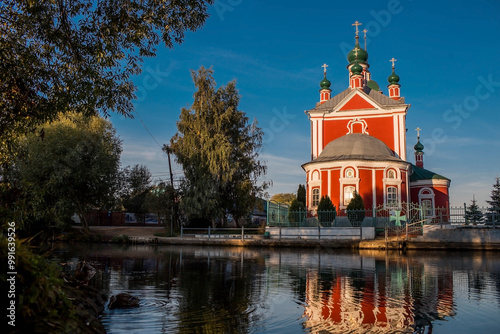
column 447, row 58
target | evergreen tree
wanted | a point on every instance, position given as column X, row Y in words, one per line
column 326, row 210
column 495, row 195
column 297, row 211
column 473, row 214
column 356, row 209
column 218, row 151
column 301, row 194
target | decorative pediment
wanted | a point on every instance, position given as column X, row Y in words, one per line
column 357, row 102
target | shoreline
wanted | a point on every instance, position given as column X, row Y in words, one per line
column 146, row 235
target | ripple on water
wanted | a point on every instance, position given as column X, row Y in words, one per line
column 154, row 315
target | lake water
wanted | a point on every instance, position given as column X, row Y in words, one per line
column 246, row 290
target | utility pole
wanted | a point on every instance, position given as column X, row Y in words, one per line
column 173, row 217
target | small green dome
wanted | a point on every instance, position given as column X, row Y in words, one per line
column 356, row 68
column 325, row 83
column 418, row 146
column 393, row 78
column 373, row 85
column 362, row 55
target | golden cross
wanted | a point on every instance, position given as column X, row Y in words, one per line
column 418, row 131
column 324, row 67
column 357, row 24
column 392, row 60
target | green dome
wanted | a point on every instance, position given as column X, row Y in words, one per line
column 418, row 146
column 362, row 55
column 325, row 83
column 356, row 68
column 393, row 78
column 373, row 85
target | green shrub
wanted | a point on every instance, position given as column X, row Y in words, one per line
column 326, row 210
column 356, row 209
column 296, row 212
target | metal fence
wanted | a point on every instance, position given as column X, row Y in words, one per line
column 221, row 233
column 469, row 215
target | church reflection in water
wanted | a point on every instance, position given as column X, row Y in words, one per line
column 376, row 292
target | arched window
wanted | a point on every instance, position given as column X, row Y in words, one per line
column 391, row 174
column 348, row 194
column 427, row 208
column 315, row 197
column 392, row 197
column 426, row 198
column 349, row 173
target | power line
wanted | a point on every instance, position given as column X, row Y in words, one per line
column 145, row 127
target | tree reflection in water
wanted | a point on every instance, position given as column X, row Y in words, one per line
column 242, row 290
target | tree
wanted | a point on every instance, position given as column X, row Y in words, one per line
column 296, row 211
column 159, row 201
column 283, row 198
column 326, row 210
column 495, row 195
column 356, row 209
column 218, row 151
column 301, row 194
column 80, row 55
column 473, row 214
column 136, row 184
column 73, row 169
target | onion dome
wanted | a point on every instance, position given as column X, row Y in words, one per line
column 393, row 78
column 418, row 146
column 356, row 69
column 373, row 85
column 325, row 83
column 362, row 54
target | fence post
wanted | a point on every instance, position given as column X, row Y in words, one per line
column 280, row 233
column 385, row 231
column 242, row 232
column 406, row 228
column 374, row 218
column 209, row 232
column 319, row 232
column 279, row 216
column 182, row 231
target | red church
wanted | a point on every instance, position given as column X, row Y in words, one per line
column 358, row 144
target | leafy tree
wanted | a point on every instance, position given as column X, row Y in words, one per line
column 301, row 194
column 218, row 151
column 159, row 201
column 136, row 184
column 473, row 214
column 283, row 198
column 73, row 169
column 80, row 55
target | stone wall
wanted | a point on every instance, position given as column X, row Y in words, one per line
column 331, row 233
column 460, row 234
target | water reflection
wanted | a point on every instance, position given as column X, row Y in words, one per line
column 238, row 290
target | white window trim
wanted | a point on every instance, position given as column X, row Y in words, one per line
column 430, row 196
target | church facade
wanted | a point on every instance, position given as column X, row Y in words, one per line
column 358, row 144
